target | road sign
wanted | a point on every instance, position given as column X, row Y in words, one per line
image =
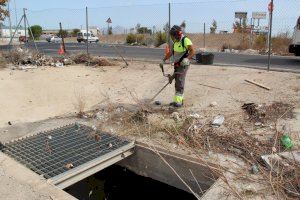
column 241, row 15
column 109, row 20
column 259, row 15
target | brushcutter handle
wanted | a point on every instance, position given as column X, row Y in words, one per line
column 162, row 68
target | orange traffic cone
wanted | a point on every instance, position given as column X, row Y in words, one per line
column 61, row 50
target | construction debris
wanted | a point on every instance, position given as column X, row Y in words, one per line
column 69, row 166
column 262, row 114
column 24, row 57
column 218, row 121
column 258, row 84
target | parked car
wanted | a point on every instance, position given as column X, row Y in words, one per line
column 54, row 39
column 82, row 36
column 295, row 46
column 23, row 39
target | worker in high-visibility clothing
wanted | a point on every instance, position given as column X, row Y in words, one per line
column 182, row 51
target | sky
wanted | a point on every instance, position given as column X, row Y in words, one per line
column 151, row 13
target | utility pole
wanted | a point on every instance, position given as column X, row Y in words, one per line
column 169, row 37
column 204, row 36
column 9, row 19
column 87, row 30
column 270, row 7
column 24, row 11
column 16, row 15
column 62, row 37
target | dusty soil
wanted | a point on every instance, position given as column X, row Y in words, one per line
column 37, row 94
column 46, row 92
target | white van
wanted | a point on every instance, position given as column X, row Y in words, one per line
column 83, row 36
column 295, row 46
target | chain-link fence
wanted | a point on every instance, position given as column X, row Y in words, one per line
column 218, row 26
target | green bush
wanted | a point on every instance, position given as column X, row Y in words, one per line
column 75, row 31
column 36, row 31
column 62, row 33
column 160, row 38
column 135, row 39
column 260, row 42
column 131, row 38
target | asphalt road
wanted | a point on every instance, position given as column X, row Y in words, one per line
column 244, row 60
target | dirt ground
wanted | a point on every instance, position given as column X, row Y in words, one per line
column 31, row 95
column 47, row 92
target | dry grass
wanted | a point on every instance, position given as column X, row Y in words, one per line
column 83, row 58
column 3, row 62
column 199, row 137
column 80, row 104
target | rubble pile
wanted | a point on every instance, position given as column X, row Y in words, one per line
column 83, row 58
column 25, row 57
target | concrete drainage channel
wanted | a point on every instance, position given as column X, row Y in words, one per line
column 70, row 154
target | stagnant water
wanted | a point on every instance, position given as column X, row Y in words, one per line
column 118, row 183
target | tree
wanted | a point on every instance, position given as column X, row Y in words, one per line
column 3, row 12
column 237, row 27
column 144, row 30
column 36, row 31
column 75, row 31
column 213, row 27
column 62, row 33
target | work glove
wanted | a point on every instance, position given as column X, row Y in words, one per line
column 185, row 62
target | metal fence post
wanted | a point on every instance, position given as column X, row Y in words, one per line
column 87, row 30
column 270, row 34
column 24, row 10
column 204, row 36
column 169, row 37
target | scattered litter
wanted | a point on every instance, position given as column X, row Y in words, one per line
column 69, row 166
column 194, row 115
column 287, row 142
column 97, row 137
column 77, row 126
column 49, row 137
column 110, row 145
column 213, row 104
column 258, row 124
column 210, row 86
column 120, row 109
column 254, row 169
column 274, row 150
column 258, row 84
column 94, row 127
column 175, row 116
column 158, row 103
column 67, row 61
column 59, row 64
column 218, row 121
column 9, row 123
column 235, row 150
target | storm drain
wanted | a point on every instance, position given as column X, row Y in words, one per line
column 68, row 154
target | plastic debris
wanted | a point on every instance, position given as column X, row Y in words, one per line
column 59, row 64
column 213, row 104
column 287, row 142
column 158, row 103
column 49, row 137
column 218, row 121
column 69, row 166
column 254, row 169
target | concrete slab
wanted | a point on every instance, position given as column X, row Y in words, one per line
column 19, row 183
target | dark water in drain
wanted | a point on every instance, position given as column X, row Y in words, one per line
column 117, row 183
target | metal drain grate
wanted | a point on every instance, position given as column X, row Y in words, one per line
column 55, row 152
